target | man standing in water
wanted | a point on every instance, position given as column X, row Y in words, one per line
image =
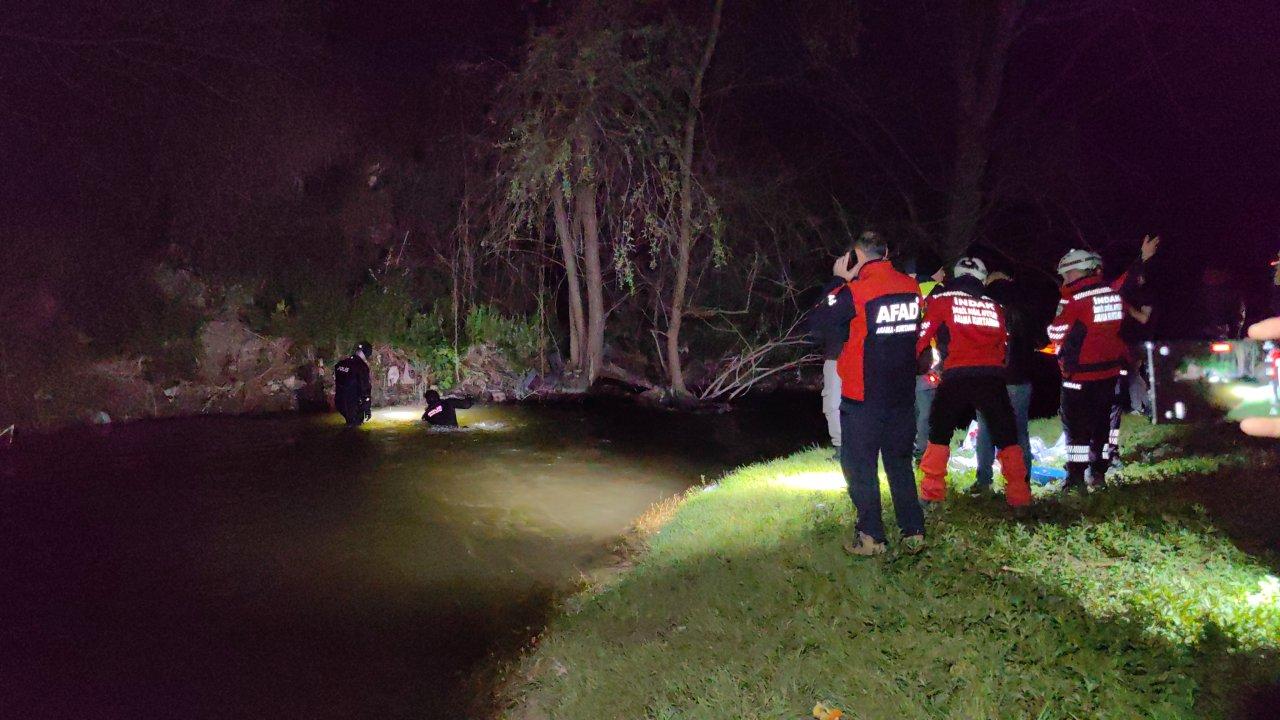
column 442, row 412
column 352, row 387
column 877, row 385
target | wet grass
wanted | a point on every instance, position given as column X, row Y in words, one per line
column 1129, row 603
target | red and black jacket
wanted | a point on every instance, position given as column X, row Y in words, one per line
column 1086, row 332
column 878, row 363
column 969, row 329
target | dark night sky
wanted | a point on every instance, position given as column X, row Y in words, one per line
column 1166, row 122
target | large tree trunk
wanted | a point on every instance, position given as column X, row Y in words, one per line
column 675, row 368
column 573, row 283
column 594, row 276
column 986, row 34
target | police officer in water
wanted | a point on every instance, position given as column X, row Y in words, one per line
column 442, row 411
column 353, row 388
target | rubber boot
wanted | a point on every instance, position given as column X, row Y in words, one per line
column 933, row 468
column 1013, row 466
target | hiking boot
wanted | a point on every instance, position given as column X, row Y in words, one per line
column 913, row 544
column 980, row 491
column 863, row 545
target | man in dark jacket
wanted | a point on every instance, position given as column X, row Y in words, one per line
column 1023, row 343
column 970, row 331
column 828, row 328
column 877, row 387
column 441, row 412
column 352, row 386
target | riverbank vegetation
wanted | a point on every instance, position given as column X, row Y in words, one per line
column 1154, row 598
column 623, row 185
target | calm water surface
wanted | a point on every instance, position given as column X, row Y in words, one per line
column 287, row 567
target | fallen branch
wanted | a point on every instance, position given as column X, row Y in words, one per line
column 739, row 373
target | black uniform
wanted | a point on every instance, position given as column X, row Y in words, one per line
column 826, row 325
column 441, row 411
column 353, row 389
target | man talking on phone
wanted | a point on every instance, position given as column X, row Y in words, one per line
column 877, row 386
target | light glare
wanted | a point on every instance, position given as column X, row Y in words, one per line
column 829, row 480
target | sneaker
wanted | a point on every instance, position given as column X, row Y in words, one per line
column 863, row 545
column 835, row 456
column 1022, row 513
column 913, row 544
column 930, row 507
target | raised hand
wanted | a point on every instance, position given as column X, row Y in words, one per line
column 1149, row 246
column 841, row 269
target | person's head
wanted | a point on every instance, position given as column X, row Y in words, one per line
column 432, row 397
column 970, row 267
column 364, row 350
column 1077, row 264
column 867, row 247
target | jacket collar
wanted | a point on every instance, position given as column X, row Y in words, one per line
column 968, row 285
column 1088, row 282
column 874, row 268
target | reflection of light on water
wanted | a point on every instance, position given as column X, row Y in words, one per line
column 402, row 414
column 397, row 414
column 827, row 480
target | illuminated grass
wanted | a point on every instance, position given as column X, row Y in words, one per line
column 1123, row 604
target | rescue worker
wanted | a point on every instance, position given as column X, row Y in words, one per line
column 441, row 412
column 829, row 332
column 1091, row 354
column 927, row 380
column 1019, row 358
column 970, row 332
column 352, row 387
column 877, row 369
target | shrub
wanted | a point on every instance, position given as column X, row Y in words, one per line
column 516, row 337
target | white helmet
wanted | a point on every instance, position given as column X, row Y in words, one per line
column 1085, row 260
column 971, row 266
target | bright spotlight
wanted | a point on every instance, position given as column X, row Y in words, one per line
column 1268, row 592
column 1251, row 393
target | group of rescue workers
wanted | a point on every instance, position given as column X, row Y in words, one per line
column 353, row 393
column 908, row 363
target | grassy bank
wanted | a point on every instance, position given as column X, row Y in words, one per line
column 1135, row 602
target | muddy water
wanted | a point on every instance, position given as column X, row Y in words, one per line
column 290, row 568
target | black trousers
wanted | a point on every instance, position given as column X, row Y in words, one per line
column 1086, row 419
column 350, row 406
column 1118, row 404
column 959, row 396
column 870, row 433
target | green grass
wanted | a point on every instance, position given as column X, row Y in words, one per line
column 1123, row 604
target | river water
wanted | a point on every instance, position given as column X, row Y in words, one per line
column 287, row 567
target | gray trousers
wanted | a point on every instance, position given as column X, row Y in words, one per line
column 831, row 400
column 924, row 404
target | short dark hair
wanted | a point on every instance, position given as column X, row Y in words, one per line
column 871, row 244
